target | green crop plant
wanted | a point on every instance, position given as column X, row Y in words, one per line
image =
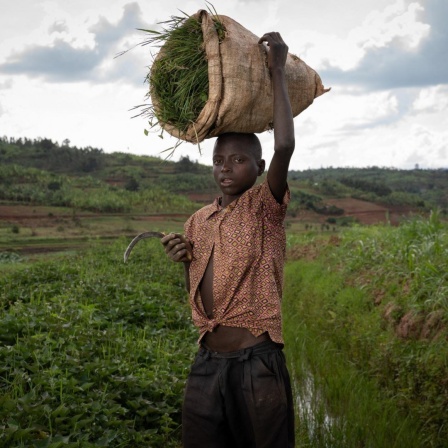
column 94, row 352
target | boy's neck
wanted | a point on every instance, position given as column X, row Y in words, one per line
column 227, row 200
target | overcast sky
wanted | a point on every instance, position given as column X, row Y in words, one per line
column 385, row 60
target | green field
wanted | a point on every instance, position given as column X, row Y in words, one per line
column 95, row 352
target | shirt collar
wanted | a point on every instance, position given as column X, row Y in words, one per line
column 216, row 207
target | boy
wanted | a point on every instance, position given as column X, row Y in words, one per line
column 238, row 392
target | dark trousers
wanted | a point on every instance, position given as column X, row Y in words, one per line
column 239, row 399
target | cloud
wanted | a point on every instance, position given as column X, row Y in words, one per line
column 59, row 26
column 61, row 62
column 64, row 61
column 371, row 111
column 5, row 85
column 404, row 53
column 433, row 99
column 430, row 148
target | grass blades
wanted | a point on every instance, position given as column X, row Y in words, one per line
column 337, row 404
column 365, row 329
column 178, row 77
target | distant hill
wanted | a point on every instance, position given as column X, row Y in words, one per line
column 319, row 191
column 420, row 188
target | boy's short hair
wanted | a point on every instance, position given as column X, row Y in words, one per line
column 250, row 142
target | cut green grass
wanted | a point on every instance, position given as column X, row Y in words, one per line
column 178, row 77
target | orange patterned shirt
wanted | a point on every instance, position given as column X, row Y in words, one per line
column 248, row 242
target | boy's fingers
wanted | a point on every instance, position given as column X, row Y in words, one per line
column 264, row 38
column 168, row 238
column 173, row 250
column 177, row 247
column 180, row 255
column 270, row 37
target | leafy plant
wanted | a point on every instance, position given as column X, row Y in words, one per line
column 10, row 257
column 179, row 77
column 94, row 352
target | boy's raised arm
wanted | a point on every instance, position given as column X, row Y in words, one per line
column 283, row 119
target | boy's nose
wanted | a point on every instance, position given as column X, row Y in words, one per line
column 225, row 167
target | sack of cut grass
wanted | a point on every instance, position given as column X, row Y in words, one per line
column 211, row 77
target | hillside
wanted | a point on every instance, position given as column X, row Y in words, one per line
column 43, row 173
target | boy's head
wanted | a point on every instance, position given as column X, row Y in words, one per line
column 246, row 142
column 237, row 162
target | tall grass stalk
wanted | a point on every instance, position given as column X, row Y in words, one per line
column 374, row 304
column 337, row 404
column 415, row 258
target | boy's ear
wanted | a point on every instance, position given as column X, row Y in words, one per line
column 261, row 167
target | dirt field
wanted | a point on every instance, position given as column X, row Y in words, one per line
column 40, row 229
column 369, row 213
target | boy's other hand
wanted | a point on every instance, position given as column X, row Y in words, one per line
column 177, row 247
column 278, row 50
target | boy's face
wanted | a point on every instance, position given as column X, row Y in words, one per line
column 235, row 166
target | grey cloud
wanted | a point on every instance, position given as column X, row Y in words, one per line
column 6, row 84
column 326, row 145
column 64, row 63
column 391, row 67
column 385, row 121
column 61, row 62
column 108, row 34
column 58, row 27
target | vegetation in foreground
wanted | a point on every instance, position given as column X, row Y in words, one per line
column 94, row 352
column 366, row 335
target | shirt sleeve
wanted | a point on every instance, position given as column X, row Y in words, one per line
column 274, row 210
column 188, row 228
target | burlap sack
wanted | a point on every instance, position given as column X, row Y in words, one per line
column 240, row 95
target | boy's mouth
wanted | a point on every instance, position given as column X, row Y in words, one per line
column 226, row 181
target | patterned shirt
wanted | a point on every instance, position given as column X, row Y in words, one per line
column 247, row 239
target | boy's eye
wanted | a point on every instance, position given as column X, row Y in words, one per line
column 216, row 161
column 239, row 159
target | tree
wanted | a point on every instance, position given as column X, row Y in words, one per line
column 47, row 144
column 132, row 184
column 185, row 165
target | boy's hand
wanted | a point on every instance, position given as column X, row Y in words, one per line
column 278, row 50
column 177, row 247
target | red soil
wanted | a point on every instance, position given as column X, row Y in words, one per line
column 365, row 212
